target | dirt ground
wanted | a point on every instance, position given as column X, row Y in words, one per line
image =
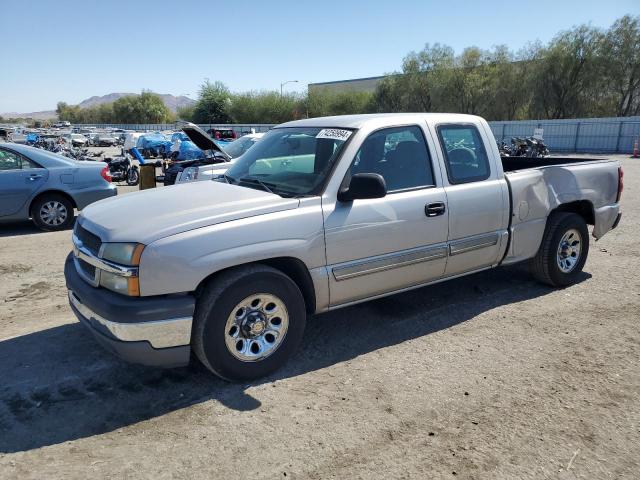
column 490, row 376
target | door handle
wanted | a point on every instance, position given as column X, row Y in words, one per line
column 434, row 209
column 34, row 177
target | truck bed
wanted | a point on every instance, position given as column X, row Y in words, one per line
column 512, row 164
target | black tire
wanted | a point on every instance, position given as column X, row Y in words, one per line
column 544, row 266
column 46, row 224
column 133, row 177
column 217, row 303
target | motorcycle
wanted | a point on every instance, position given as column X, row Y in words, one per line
column 536, row 148
column 518, row 147
column 527, row 147
column 504, row 149
column 121, row 170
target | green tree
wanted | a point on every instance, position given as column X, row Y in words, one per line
column 264, row 107
column 322, row 103
column 213, row 103
column 621, row 54
column 144, row 108
column 185, row 113
column 565, row 73
column 68, row 113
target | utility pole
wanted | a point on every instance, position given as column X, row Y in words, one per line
column 284, row 83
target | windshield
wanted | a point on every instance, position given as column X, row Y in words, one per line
column 238, row 147
column 290, row 161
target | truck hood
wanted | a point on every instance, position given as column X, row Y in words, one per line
column 149, row 215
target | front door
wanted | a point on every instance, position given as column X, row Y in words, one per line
column 376, row 246
column 19, row 178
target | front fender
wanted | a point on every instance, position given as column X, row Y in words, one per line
column 179, row 263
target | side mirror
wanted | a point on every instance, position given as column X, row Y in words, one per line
column 364, row 185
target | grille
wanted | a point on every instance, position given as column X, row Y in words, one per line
column 89, row 270
column 90, row 241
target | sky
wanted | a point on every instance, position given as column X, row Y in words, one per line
column 67, row 50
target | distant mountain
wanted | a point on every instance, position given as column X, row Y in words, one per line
column 44, row 115
column 171, row 101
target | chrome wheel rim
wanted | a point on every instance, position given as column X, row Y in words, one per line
column 53, row 213
column 569, row 250
column 256, row 327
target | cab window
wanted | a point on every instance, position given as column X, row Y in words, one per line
column 399, row 154
column 465, row 156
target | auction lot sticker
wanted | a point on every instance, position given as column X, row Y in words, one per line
column 334, row 134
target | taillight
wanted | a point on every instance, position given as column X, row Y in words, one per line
column 104, row 173
column 620, row 183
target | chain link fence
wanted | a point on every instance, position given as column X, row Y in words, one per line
column 591, row 135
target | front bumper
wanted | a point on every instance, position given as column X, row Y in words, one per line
column 147, row 330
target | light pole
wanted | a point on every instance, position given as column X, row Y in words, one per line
column 284, row 83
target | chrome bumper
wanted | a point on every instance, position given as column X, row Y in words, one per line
column 172, row 332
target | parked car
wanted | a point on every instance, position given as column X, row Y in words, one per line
column 323, row 213
column 47, row 187
column 235, row 149
column 225, row 134
column 212, row 153
column 75, row 139
column 104, row 140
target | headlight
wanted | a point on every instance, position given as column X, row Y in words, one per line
column 189, row 174
column 127, row 255
column 116, row 283
column 123, row 253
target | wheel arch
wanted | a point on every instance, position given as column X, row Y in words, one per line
column 293, row 267
column 584, row 208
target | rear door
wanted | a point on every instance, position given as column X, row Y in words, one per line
column 376, row 246
column 477, row 197
column 19, row 179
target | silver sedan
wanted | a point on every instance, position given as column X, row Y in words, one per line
column 47, row 187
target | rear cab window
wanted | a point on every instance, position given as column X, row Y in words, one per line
column 465, row 155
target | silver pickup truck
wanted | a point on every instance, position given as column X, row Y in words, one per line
column 321, row 214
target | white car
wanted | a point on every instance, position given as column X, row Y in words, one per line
column 75, row 139
column 207, row 172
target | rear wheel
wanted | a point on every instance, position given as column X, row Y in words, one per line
column 563, row 251
column 248, row 322
column 52, row 212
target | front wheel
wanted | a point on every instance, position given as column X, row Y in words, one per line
column 248, row 322
column 133, row 176
column 563, row 251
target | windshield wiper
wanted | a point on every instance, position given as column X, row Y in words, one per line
column 256, row 181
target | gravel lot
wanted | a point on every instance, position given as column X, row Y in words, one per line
column 489, row 376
